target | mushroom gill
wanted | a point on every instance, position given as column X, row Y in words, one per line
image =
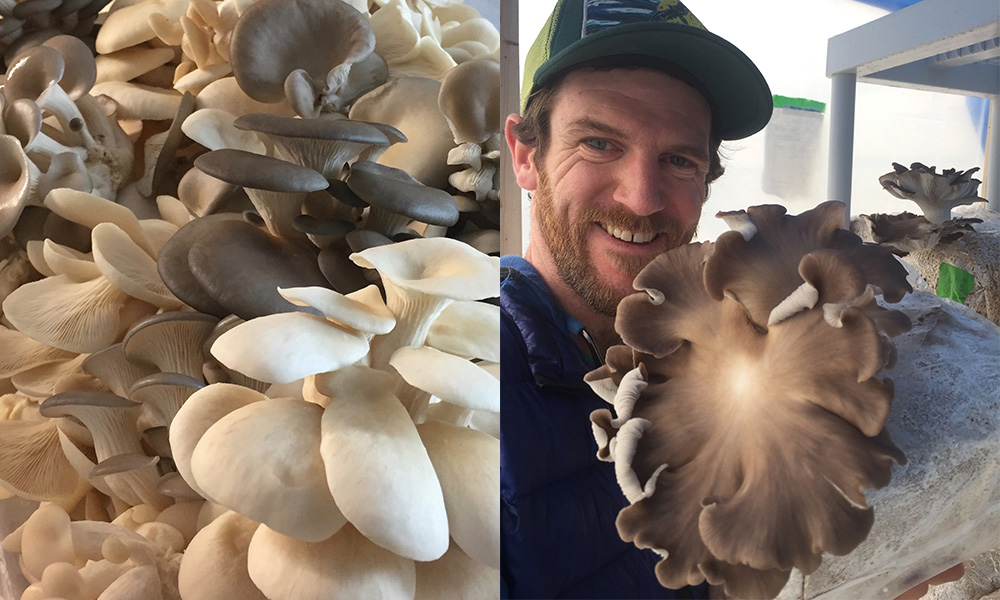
column 754, row 431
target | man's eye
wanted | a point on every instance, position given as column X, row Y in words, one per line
column 598, row 144
column 679, row 161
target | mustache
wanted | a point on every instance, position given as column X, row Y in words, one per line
column 628, row 221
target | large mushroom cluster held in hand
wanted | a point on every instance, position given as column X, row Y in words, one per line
column 751, row 399
column 248, row 268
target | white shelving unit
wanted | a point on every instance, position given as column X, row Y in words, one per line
column 948, row 46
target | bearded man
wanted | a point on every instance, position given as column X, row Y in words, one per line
column 625, row 104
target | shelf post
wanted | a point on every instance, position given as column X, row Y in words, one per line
column 993, row 157
column 842, row 140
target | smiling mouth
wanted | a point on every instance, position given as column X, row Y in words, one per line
column 628, row 236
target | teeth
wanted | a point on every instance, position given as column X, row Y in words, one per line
column 628, row 236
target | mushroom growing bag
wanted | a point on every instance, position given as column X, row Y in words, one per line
column 750, row 399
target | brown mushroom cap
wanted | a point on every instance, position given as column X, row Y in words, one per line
column 241, row 267
column 321, row 144
column 260, row 172
column 266, row 43
column 175, row 271
column 395, row 191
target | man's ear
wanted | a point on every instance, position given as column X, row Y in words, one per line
column 523, row 157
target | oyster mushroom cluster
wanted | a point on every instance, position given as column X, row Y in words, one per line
column 751, row 399
column 252, row 338
column 936, row 195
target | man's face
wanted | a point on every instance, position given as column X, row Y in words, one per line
column 622, row 179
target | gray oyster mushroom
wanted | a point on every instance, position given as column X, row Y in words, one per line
column 396, row 198
column 935, row 194
column 276, row 187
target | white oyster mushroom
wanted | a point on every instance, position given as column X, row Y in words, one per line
column 213, row 128
column 284, row 347
column 362, row 310
column 136, row 101
column 214, row 565
column 468, row 329
column 377, row 467
column 128, row 63
column 129, row 268
column 263, row 461
column 344, row 566
column 422, row 277
column 66, row 314
column 455, row 575
column 33, row 465
column 410, row 104
column 199, row 412
column 465, row 461
column 449, row 377
column 129, row 25
column 90, row 210
column 139, row 582
column 45, row 539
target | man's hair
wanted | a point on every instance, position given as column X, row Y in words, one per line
column 534, row 128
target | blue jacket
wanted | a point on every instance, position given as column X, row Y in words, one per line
column 558, row 501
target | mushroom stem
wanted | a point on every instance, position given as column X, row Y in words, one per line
column 414, row 399
column 278, row 209
column 414, row 311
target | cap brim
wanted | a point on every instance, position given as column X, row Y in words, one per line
column 739, row 96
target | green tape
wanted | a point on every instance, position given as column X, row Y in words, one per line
column 954, row 283
column 799, row 103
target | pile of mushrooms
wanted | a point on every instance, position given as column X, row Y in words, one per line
column 750, row 399
column 218, row 254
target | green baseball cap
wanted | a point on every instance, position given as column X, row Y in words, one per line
column 580, row 31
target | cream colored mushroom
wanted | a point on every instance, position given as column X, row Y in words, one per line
column 466, row 462
column 214, row 566
column 421, row 277
column 468, row 329
column 344, row 566
column 273, row 479
column 377, row 467
column 284, row 347
column 199, row 412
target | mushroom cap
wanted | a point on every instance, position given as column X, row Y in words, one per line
column 214, row 565
column 449, row 377
column 344, row 566
column 273, row 479
column 175, row 271
column 202, row 410
column 285, row 347
column 470, row 100
column 770, row 434
column 363, row 310
column 221, row 264
column 410, row 104
column 377, row 467
column 467, row 463
column 323, row 129
column 33, row 72
column 15, row 182
column 266, row 43
column 261, row 172
column 395, row 191
column 436, row 266
column 170, row 341
column 80, row 71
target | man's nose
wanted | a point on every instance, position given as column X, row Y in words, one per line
column 640, row 185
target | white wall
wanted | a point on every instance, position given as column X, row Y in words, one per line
column 787, row 40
